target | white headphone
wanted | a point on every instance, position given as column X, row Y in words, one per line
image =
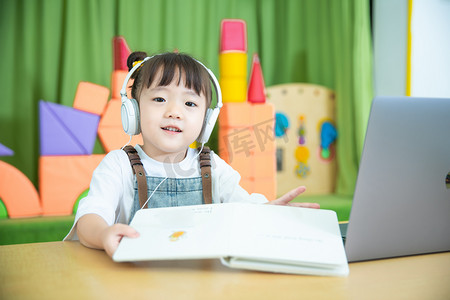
column 130, row 108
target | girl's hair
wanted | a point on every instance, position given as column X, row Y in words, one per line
column 195, row 75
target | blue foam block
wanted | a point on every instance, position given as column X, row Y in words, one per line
column 66, row 130
column 5, row 151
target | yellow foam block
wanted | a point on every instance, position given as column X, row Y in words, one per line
column 235, row 114
column 62, row 179
column 18, row 193
column 233, row 89
column 267, row 187
column 91, row 97
column 264, row 166
column 117, row 78
column 233, row 64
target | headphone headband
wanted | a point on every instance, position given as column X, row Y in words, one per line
column 123, row 91
column 130, row 107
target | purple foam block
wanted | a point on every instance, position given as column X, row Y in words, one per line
column 5, row 151
column 66, row 130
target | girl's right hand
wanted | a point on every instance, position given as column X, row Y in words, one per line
column 112, row 235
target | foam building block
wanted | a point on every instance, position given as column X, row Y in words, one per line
column 5, row 151
column 256, row 86
column 110, row 130
column 233, row 60
column 117, row 78
column 267, row 187
column 65, row 130
column 62, row 179
column 235, row 114
column 233, row 89
column 247, row 142
column 18, row 193
column 121, row 52
column 233, row 35
column 91, row 97
column 233, row 64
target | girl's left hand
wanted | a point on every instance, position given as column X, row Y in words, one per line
column 289, row 196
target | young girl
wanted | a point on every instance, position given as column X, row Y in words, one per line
column 173, row 92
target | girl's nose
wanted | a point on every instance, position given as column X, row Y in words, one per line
column 173, row 111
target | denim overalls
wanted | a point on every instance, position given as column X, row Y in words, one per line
column 172, row 192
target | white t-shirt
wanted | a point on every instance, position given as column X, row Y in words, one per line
column 111, row 192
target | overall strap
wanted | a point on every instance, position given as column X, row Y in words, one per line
column 205, row 167
column 138, row 169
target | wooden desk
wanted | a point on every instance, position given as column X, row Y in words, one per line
column 68, row 270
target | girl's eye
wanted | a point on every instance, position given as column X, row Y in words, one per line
column 190, row 104
column 159, row 99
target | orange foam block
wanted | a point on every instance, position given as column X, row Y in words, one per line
column 263, row 113
column 263, row 126
column 256, row 86
column 110, row 130
column 264, row 165
column 247, row 184
column 62, row 179
column 117, row 78
column 91, row 97
column 235, row 114
column 241, row 163
column 267, row 187
column 18, row 193
column 236, row 141
column 115, row 138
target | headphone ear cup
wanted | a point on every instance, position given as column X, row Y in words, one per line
column 130, row 116
column 208, row 125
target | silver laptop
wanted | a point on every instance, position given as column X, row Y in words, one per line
column 401, row 204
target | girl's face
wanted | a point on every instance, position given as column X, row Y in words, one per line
column 171, row 119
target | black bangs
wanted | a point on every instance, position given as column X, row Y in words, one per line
column 174, row 65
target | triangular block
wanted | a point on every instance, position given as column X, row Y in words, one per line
column 5, row 151
column 91, row 97
column 121, row 53
column 256, row 86
column 233, row 35
column 65, row 130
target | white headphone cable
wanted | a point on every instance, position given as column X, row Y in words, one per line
column 129, row 141
column 201, row 149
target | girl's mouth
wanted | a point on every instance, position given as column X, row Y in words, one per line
column 170, row 128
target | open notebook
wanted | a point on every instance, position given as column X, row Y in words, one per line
column 248, row 236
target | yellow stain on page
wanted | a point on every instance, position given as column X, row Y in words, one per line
column 176, row 235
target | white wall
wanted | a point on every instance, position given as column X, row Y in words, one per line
column 430, row 48
column 430, row 59
column 390, row 27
